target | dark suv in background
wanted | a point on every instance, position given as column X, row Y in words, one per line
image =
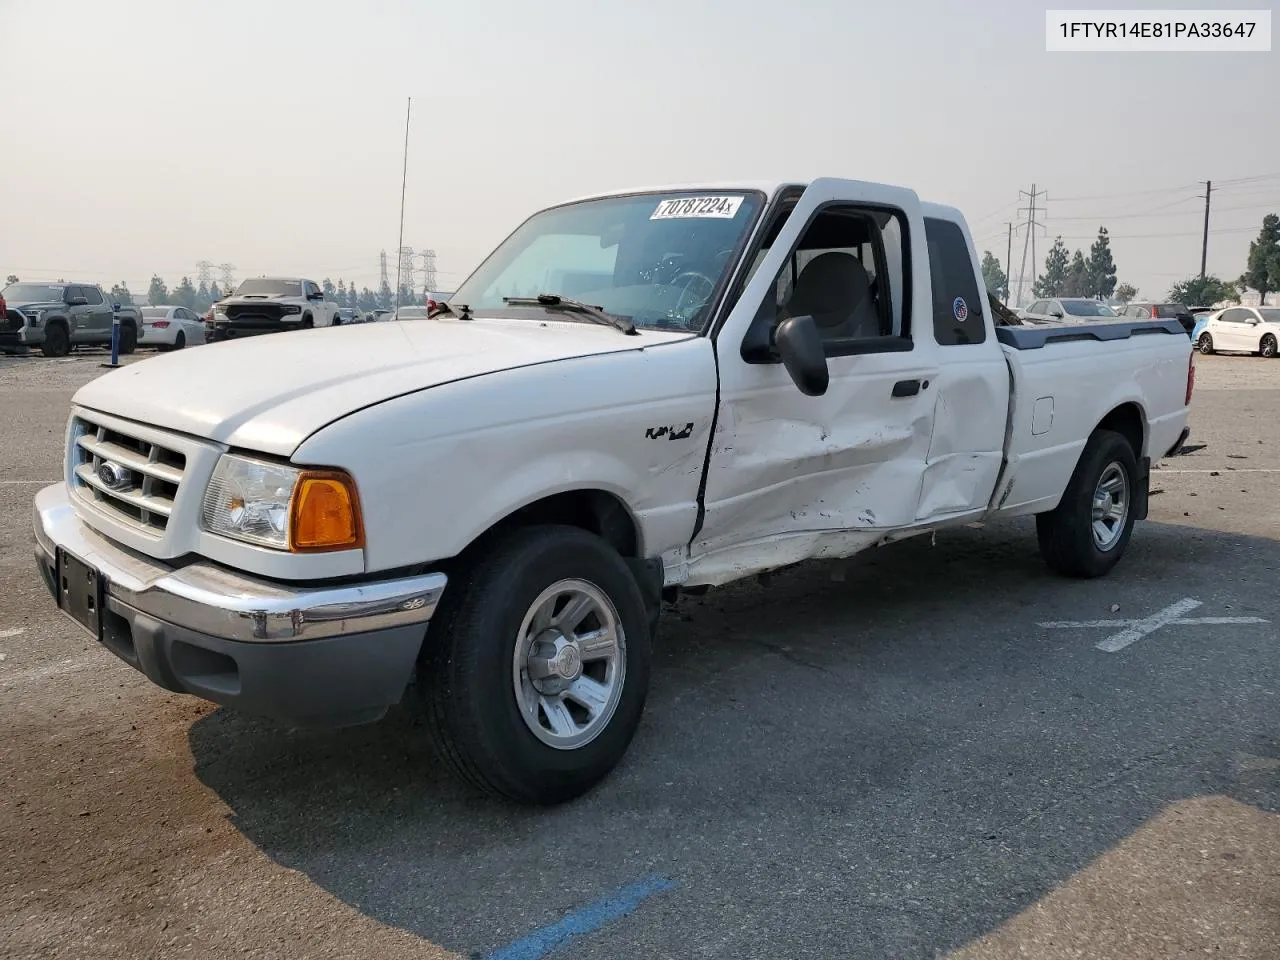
column 1161, row 311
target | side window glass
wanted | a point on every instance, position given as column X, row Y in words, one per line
column 92, row 295
column 958, row 316
column 73, row 292
column 847, row 273
column 1037, row 308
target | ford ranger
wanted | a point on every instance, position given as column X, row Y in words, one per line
column 633, row 394
column 56, row 317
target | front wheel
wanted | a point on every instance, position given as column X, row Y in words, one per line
column 1268, row 346
column 1087, row 533
column 1205, row 344
column 536, row 668
column 57, row 343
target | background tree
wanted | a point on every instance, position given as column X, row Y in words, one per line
column 1263, row 270
column 994, row 278
column 384, row 295
column 214, row 293
column 184, row 294
column 1194, row 292
column 202, row 297
column 353, row 298
column 326, row 285
column 12, row 278
column 1102, row 267
column 1126, row 293
column 1051, row 282
column 1077, row 282
column 157, row 293
column 120, row 294
column 368, row 300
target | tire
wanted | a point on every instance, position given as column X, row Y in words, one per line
column 57, row 342
column 180, row 340
column 1268, row 347
column 307, row 322
column 1205, row 344
column 476, row 668
column 128, row 338
column 1068, row 540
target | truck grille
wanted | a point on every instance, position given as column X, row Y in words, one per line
column 255, row 311
column 129, row 478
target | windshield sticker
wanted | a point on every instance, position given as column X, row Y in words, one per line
column 960, row 309
column 716, row 208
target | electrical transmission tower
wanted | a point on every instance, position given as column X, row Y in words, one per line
column 384, row 282
column 1033, row 208
column 428, row 271
column 228, row 281
column 205, row 271
column 404, row 273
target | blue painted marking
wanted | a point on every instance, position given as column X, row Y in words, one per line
column 584, row 920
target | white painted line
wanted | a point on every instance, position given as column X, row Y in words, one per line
column 1183, row 622
column 11, row 632
column 19, row 483
column 1142, row 628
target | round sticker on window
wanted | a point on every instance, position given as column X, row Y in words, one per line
column 960, row 309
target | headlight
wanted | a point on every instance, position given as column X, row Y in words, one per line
column 291, row 308
column 219, row 311
column 282, row 507
column 34, row 317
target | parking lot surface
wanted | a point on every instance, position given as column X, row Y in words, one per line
column 933, row 749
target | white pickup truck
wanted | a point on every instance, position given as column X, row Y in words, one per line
column 633, row 394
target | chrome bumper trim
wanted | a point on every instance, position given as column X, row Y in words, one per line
column 214, row 600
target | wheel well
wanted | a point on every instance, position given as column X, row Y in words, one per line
column 1128, row 421
column 595, row 511
column 56, row 322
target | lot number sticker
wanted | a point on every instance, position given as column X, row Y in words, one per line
column 681, row 208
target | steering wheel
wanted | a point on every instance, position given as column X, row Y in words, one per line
column 692, row 279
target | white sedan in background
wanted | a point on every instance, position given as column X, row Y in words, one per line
column 170, row 328
column 1242, row 330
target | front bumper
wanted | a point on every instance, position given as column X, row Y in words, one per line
column 307, row 655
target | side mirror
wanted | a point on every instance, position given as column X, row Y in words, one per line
column 1056, row 313
column 800, row 345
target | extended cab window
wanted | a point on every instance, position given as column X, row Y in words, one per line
column 847, row 273
column 91, row 294
column 958, row 317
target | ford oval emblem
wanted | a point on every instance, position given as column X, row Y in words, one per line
column 113, row 476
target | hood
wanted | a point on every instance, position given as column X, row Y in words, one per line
column 36, row 304
column 259, row 297
column 269, row 393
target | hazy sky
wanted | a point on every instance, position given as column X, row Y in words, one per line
column 142, row 136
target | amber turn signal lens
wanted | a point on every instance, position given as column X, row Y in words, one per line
column 325, row 513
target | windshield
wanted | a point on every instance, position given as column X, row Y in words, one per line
column 32, row 292
column 270, row 288
column 1270, row 316
column 1087, row 308
column 154, row 313
column 654, row 259
column 1168, row 311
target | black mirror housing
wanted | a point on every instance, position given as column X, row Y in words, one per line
column 800, row 345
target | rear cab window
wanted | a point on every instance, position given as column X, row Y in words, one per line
column 958, row 315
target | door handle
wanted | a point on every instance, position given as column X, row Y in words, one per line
column 906, row 388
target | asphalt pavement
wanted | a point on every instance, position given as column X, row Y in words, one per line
column 934, row 749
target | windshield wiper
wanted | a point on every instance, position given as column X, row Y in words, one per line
column 555, row 301
column 462, row 313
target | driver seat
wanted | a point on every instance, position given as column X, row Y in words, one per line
column 835, row 290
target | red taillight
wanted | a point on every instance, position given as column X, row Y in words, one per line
column 161, row 324
column 1191, row 377
column 432, row 304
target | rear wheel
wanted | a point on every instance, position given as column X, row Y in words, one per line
column 536, row 668
column 180, row 340
column 1087, row 533
column 128, row 338
column 56, row 341
column 1268, row 346
column 1205, row 344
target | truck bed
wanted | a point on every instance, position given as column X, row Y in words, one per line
column 1027, row 337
